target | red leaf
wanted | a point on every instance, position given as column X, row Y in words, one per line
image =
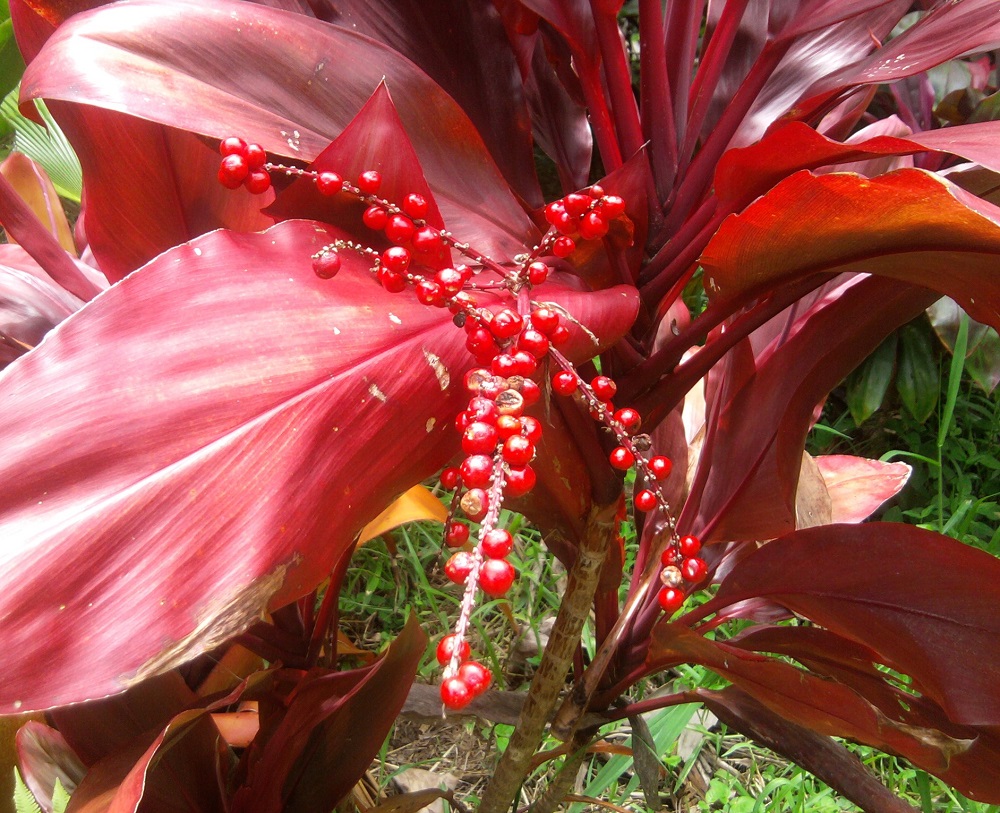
column 299, row 100
column 331, row 732
column 205, row 440
column 45, row 756
column 924, row 602
column 909, row 225
column 858, row 486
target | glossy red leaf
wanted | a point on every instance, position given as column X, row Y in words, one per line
column 242, row 422
column 922, row 601
column 299, row 100
column 909, row 225
column 331, row 732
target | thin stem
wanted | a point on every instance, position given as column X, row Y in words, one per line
column 619, row 79
column 557, row 659
column 658, row 126
column 600, row 118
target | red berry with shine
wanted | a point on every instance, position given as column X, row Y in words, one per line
column 498, row 543
column 426, row 239
column 520, row 481
column 645, row 500
column 482, row 409
column 255, row 155
column 612, row 206
column 689, row 545
column 544, row 320
column 694, row 570
column 446, row 648
column 459, row 566
column 563, row 246
column 504, row 365
column 399, row 229
column 415, row 205
column 671, row 599
column 506, row 324
column 628, row 418
column 526, row 364
column 477, row 469
column 233, row 146
column 531, row 428
column 533, row 342
column 518, row 450
column 576, row 203
column 660, row 467
column 565, row 382
column 479, row 438
column 257, row 182
column 508, row 425
column 392, row 281
column 370, row 181
column 396, row 259
column 450, row 280
column 538, row 272
column 530, row 392
column 450, row 478
column 554, row 212
column 476, row 676
column 455, row 693
column 375, row 218
column 329, row 183
column 326, row 266
column 429, row 293
column 593, row 226
column 621, row 458
column 496, row 577
column 559, row 336
column 233, row 171
column 604, row 388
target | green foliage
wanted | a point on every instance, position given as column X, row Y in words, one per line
column 11, row 63
column 24, row 801
column 47, row 145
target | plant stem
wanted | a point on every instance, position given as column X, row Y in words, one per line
column 562, row 782
column 557, row 658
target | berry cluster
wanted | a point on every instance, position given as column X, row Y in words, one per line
column 509, row 346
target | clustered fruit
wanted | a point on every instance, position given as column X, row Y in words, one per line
column 510, row 347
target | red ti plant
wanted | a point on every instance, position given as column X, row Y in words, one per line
column 203, row 441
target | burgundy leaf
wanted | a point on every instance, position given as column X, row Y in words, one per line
column 333, row 728
column 187, row 62
column 239, row 426
column 44, row 756
column 921, row 600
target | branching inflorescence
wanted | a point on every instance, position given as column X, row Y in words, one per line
column 498, row 439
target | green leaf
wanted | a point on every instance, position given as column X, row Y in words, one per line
column 866, row 386
column 917, row 378
column 24, row 801
column 60, row 798
column 11, row 63
column 47, row 145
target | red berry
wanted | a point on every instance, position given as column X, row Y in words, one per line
column 391, row 281
column 450, row 478
column 504, row 365
column 257, row 182
column 576, row 203
column 430, row 293
column 396, row 259
column 694, row 570
column 482, row 409
column 530, row 392
column 233, row 171
column 480, row 343
column 531, row 428
column 526, row 364
column 604, row 388
column 476, row 676
column 612, row 206
column 479, row 438
column 369, row 181
column 660, row 467
column 508, row 425
column 506, row 324
column 475, row 504
column 621, row 458
column 446, row 647
column 450, row 280
column 518, row 450
column 399, row 229
column 493, row 388
column 456, row 534
column 629, row 419
column 564, row 382
column 329, row 183
column 455, row 693
column 597, row 191
column 459, row 566
column 689, row 545
column 563, row 246
column 375, row 218
column 544, row 320
column 233, row 146
column 593, row 226
column 327, row 265
column 520, row 481
column 255, row 155
column 415, row 205
column 498, row 543
column 671, row 599
column 426, row 239
column 555, row 211
column 645, row 500
column 559, row 336
column 496, row 577
column 670, row 556
column 477, row 469
column 566, row 224
column 534, row 342
column 538, row 272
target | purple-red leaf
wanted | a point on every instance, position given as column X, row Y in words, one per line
column 924, row 602
column 240, row 425
column 858, row 486
column 188, row 64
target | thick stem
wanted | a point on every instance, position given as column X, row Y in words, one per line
column 557, row 659
column 561, row 784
